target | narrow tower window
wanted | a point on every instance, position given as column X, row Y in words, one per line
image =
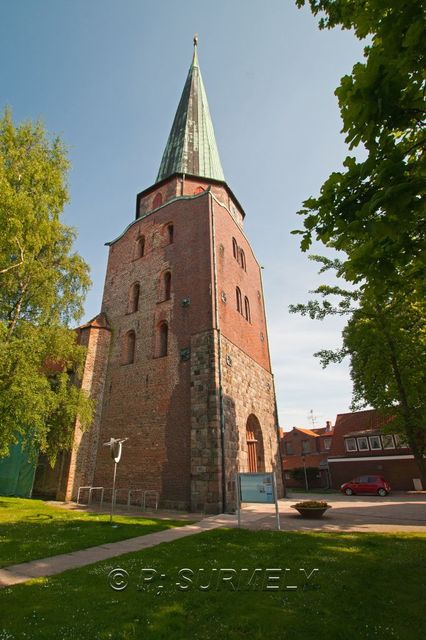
column 239, row 300
column 140, row 247
column 158, row 201
column 247, row 309
column 134, row 297
column 235, row 248
column 163, row 339
column 129, row 345
column 166, row 286
column 243, row 259
column 170, row 232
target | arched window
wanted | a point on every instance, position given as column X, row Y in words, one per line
column 235, row 248
column 239, row 300
column 247, row 309
column 166, row 286
column 134, row 297
column 163, row 338
column 140, row 247
column 129, row 346
column 243, row 259
column 158, row 200
column 255, row 448
column 170, row 232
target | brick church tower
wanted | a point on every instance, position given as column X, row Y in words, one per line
column 181, row 358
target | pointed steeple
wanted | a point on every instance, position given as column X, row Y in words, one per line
column 191, row 147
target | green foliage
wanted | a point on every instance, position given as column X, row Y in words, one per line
column 385, row 338
column 312, row 504
column 373, row 211
column 42, row 289
column 298, row 474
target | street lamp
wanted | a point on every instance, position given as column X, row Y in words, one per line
column 116, row 445
column 306, row 475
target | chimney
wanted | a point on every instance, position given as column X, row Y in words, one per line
column 328, row 425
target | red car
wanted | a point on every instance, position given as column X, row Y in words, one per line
column 366, row 484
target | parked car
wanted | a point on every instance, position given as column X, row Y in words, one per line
column 366, row 484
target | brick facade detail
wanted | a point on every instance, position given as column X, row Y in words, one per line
column 184, row 407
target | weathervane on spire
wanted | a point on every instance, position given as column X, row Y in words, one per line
column 195, row 39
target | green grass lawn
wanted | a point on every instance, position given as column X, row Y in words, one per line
column 368, row 586
column 31, row 529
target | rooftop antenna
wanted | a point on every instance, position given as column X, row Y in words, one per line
column 313, row 419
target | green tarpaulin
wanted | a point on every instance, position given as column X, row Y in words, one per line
column 17, row 472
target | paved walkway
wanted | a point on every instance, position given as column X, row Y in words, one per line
column 17, row 573
column 392, row 514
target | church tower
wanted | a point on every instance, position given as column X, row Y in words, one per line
column 188, row 378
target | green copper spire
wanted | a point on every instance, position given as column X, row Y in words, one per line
column 191, row 147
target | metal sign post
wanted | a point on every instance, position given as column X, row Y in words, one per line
column 116, row 449
column 258, row 488
column 238, row 497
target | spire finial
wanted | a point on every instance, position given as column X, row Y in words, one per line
column 195, row 56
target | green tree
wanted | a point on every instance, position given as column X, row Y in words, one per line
column 42, row 288
column 373, row 211
column 385, row 339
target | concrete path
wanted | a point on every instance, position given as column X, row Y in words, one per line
column 396, row 513
column 392, row 514
column 17, row 573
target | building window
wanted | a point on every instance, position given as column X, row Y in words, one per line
column 350, row 444
column 400, row 442
column 363, row 444
column 140, row 247
column 306, row 447
column 239, row 300
column 158, row 201
column 134, row 297
column 243, row 259
column 235, row 248
column 163, row 338
column 388, row 442
column 170, row 233
column 327, row 443
column 247, row 309
column 289, row 448
column 375, row 443
column 128, row 349
column 167, row 285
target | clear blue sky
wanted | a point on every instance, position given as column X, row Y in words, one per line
column 107, row 76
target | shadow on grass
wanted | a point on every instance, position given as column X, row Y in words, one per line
column 367, row 586
column 35, row 530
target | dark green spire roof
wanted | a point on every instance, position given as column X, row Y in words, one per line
column 191, row 147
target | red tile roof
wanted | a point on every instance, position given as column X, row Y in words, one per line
column 309, row 432
column 349, row 423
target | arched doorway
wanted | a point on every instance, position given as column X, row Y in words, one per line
column 255, row 450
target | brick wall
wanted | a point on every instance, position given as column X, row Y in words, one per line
column 399, row 473
column 170, row 407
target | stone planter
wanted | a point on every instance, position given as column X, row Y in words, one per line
column 310, row 512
